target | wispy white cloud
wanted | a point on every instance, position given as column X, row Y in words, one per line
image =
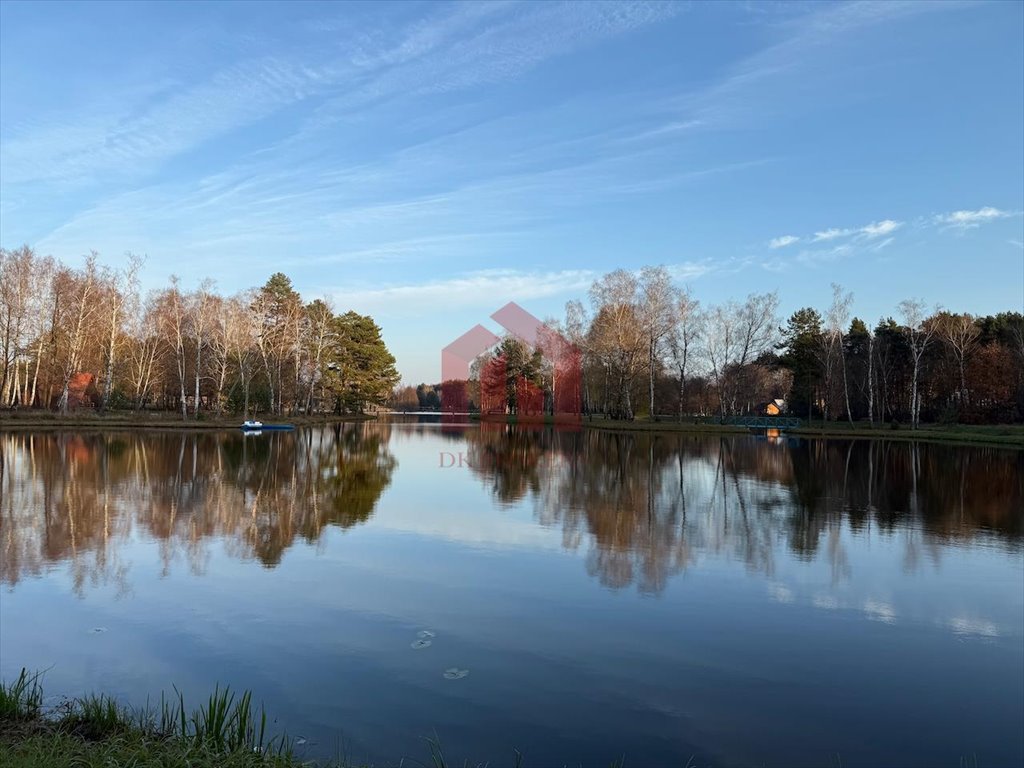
column 122, row 145
column 471, row 289
column 831, row 234
column 404, row 145
column 813, row 256
column 691, row 270
column 964, row 220
column 880, row 228
column 839, row 242
column 961, row 220
column 782, row 242
column 405, row 209
column 870, row 231
column 776, row 80
column 775, row 265
column 478, row 288
column 409, row 250
column 874, row 229
column 456, row 47
column 673, row 127
column 394, row 206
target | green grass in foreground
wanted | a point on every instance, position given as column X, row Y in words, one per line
column 97, row 731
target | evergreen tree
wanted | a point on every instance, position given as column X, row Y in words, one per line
column 801, row 341
column 358, row 368
column 859, row 351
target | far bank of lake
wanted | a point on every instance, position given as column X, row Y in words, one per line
column 1007, row 435
column 121, row 420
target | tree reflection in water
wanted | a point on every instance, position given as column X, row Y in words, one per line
column 645, row 505
column 642, row 506
column 77, row 497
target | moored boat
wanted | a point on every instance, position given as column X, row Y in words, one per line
column 259, row 426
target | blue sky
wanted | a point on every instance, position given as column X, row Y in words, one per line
column 426, row 163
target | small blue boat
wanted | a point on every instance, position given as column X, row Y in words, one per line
column 259, row 426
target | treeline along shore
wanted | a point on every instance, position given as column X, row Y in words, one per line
column 79, row 340
column 84, row 345
column 651, row 351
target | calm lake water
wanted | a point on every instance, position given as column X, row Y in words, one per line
column 734, row 601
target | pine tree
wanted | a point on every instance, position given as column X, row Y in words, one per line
column 801, row 342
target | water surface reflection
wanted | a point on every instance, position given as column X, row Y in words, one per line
column 641, row 505
column 78, row 497
column 735, row 600
column 647, row 503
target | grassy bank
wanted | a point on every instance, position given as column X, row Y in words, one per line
column 151, row 420
column 226, row 731
column 1007, row 435
column 644, row 425
column 1011, row 436
column 97, row 731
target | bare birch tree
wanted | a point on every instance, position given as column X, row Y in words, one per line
column 837, row 320
column 143, row 350
column 736, row 335
column 319, row 314
column 576, row 324
column 241, row 334
column 657, row 301
column 15, row 299
column 174, row 329
column 120, row 291
column 81, row 306
column 919, row 332
column 42, row 310
column 871, row 376
column 618, row 334
column 960, row 333
column 218, row 358
column 683, row 339
column 201, row 318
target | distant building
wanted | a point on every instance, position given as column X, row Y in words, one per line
column 82, row 392
column 774, row 407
